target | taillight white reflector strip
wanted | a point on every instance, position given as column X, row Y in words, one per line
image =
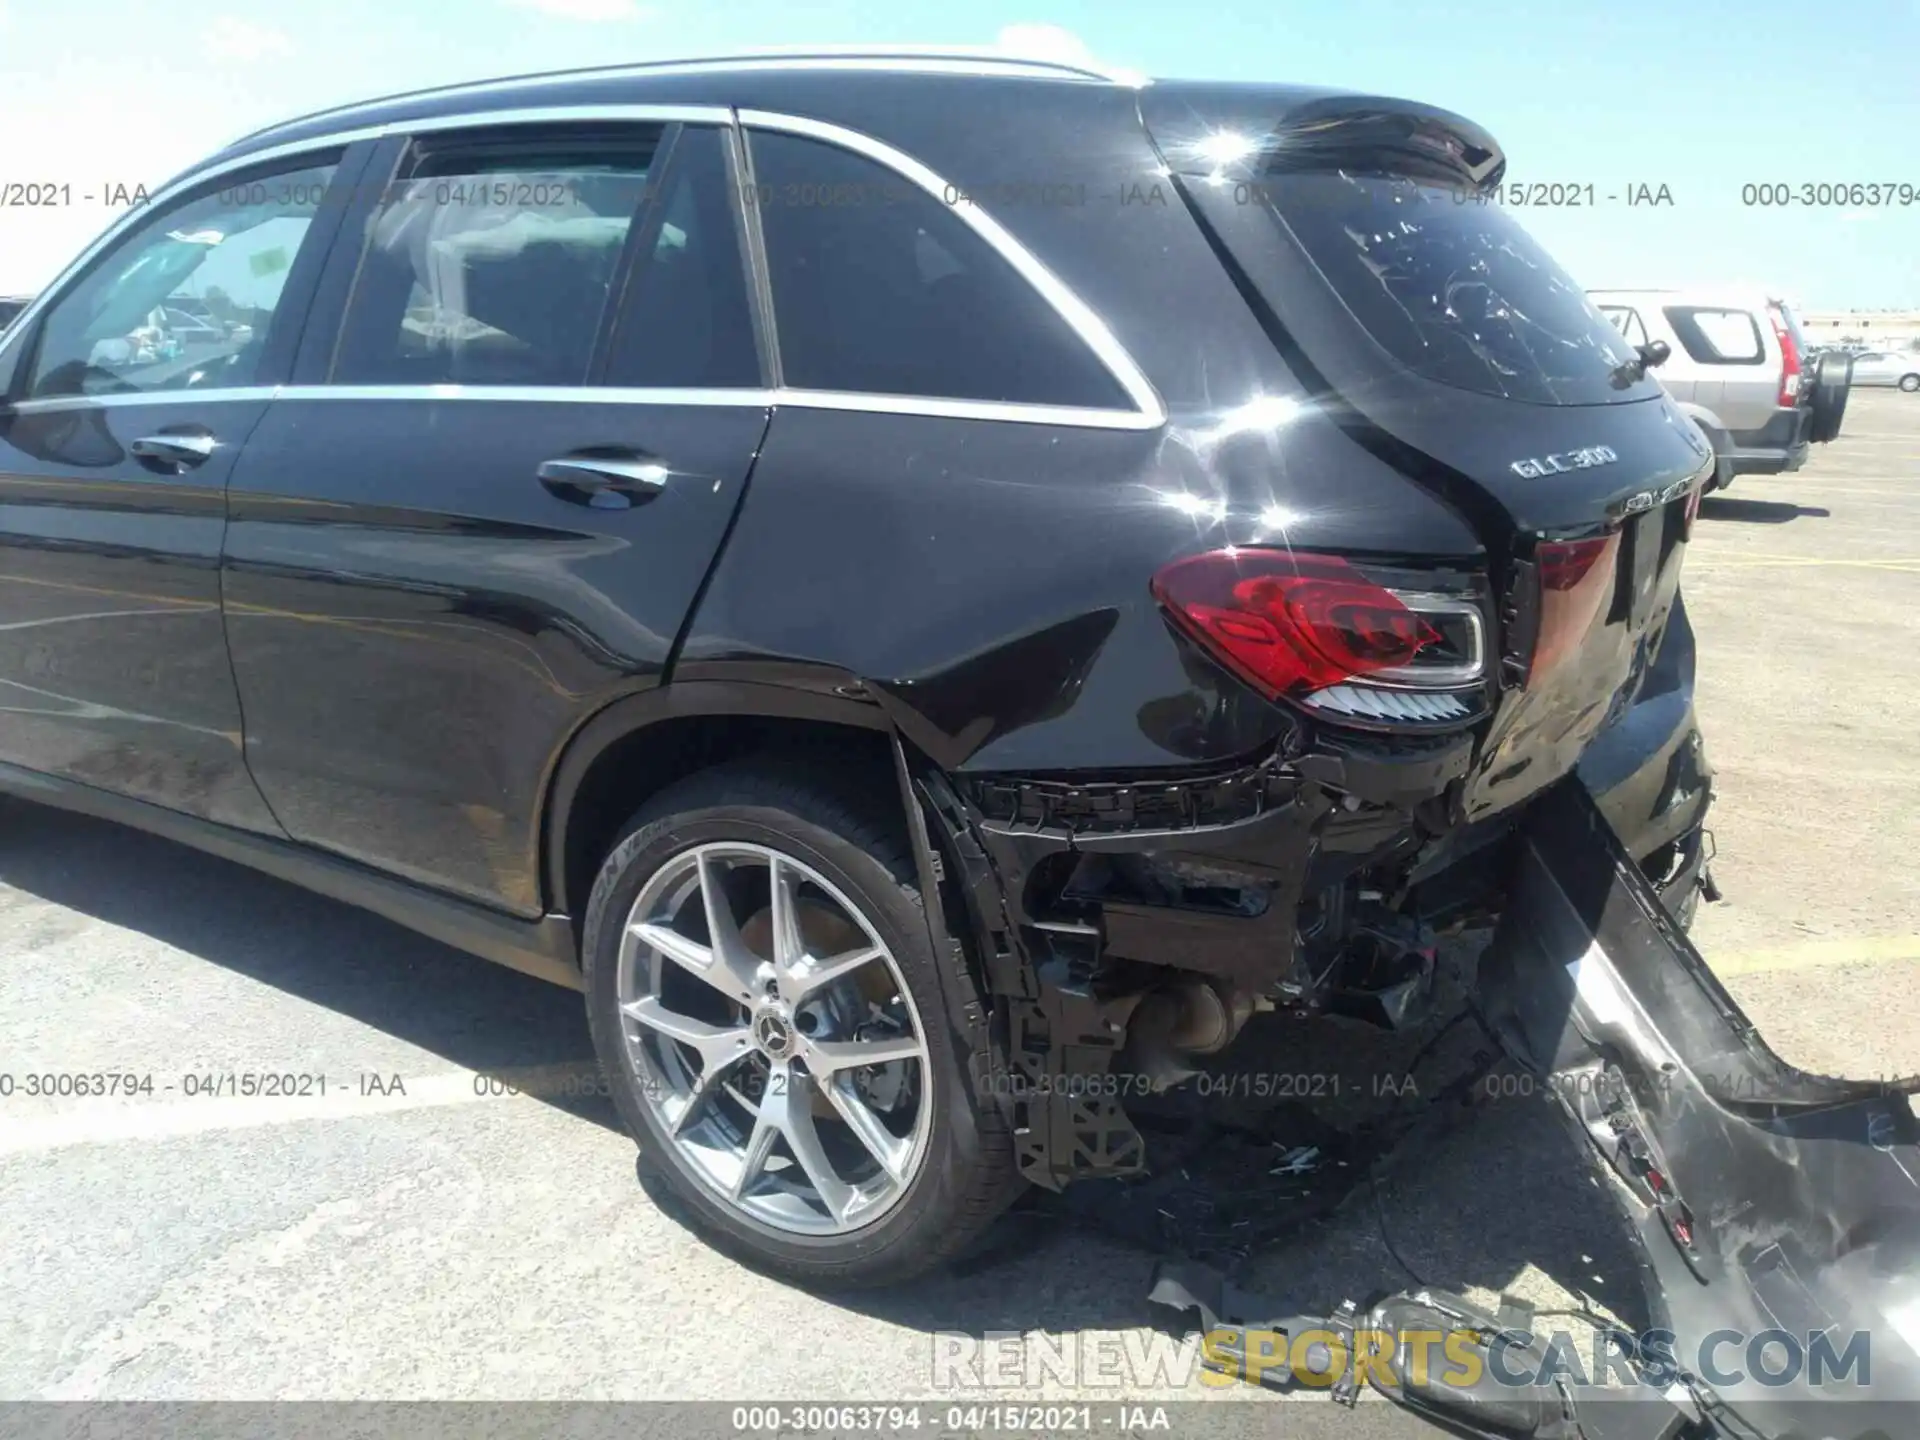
column 1372, row 704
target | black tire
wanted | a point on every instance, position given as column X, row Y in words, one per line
column 968, row 1175
column 1832, row 379
column 1910, row 383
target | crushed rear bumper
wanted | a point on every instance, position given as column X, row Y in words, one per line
column 1776, row 1212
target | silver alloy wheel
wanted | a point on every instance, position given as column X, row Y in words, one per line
column 782, row 1052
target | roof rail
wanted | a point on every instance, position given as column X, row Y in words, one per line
column 984, row 55
column 827, row 56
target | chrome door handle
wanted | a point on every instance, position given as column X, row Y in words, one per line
column 604, row 482
column 182, row 450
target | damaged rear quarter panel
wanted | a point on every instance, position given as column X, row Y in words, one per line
column 989, row 580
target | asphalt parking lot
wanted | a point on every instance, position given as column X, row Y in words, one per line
column 410, row 1235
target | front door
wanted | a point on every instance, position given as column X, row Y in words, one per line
column 130, row 398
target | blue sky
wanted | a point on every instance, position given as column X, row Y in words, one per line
column 1703, row 97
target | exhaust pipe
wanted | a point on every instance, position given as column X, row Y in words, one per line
column 1174, row 1028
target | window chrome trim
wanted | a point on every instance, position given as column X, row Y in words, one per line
column 534, row 394
column 339, row 140
column 210, row 396
column 1148, row 413
column 866, row 403
column 853, row 401
column 1069, row 416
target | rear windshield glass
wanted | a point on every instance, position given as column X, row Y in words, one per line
column 1452, row 287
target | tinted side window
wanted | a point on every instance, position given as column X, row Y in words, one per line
column 879, row 287
column 491, row 262
column 686, row 321
column 185, row 298
column 1718, row 337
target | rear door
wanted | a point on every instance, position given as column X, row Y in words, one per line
column 116, row 448
column 520, row 425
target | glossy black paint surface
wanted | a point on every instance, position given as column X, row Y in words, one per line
column 995, row 586
column 113, row 657
column 420, row 628
column 418, row 624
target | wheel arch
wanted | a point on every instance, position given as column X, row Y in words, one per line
column 638, row 743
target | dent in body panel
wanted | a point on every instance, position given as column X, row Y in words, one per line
column 990, row 580
column 1111, row 802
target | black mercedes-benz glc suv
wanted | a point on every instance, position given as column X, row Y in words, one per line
column 929, row 588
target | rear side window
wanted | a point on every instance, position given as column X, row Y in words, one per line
column 880, row 288
column 1450, row 285
column 493, row 264
column 686, row 321
column 1718, row 337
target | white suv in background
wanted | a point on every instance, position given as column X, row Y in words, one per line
column 1734, row 365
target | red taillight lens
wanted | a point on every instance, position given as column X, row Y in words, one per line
column 1290, row 623
column 1576, row 577
column 1789, row 356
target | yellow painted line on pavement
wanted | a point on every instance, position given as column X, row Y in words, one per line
column 1814, row 954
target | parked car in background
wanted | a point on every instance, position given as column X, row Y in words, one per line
column 1739, row 365
column 1899, row 368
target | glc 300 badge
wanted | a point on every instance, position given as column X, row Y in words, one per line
column 1565, row 462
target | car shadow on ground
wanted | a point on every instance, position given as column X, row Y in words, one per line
column 475, row 1015
column 1758, row 512
column 1505, row 1192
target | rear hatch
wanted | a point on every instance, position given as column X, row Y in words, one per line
column 1367, row 235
